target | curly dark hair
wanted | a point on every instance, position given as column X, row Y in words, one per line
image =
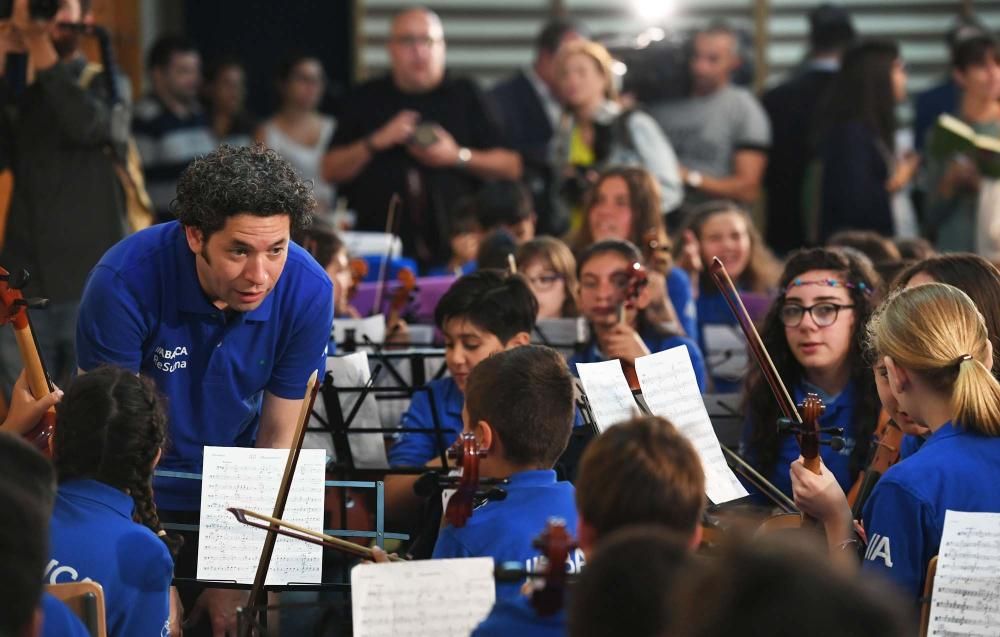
column 758, row 401
column 110, row 425
column 241, row 180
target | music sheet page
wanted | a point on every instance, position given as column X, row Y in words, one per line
column 966, row 595
column 607, row 391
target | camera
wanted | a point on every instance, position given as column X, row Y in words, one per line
column 38, row 9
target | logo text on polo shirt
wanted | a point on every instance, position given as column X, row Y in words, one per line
column 879, row 548
column 167, row 359
column 57, row 573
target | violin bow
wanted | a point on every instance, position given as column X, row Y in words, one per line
column 383, row 268
column 279, row 504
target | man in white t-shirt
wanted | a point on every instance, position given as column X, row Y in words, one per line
column 720, row 132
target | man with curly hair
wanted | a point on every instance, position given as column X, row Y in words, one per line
column 224, row 313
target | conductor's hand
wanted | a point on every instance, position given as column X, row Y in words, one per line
column 220, row 605
column 624, row 343
column 25, row 411
column 819, row 495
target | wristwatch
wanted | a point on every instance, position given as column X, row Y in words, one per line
column 694, row 179
column 464, row 156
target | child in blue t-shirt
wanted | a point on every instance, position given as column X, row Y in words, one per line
column 519, row 406
column 937, row 356
column 603, row 270
column 814, row 334
column 481, row 314
column 110, row 429
column 725, row 230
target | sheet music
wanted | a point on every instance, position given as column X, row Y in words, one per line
column 372, row 326
column 966, row 596
column 368, row 450
column 444, row 598
column 608, row 392
column 670, row 390
column 249, row 479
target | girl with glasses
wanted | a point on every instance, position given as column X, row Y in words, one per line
column 550, row 269
column 814, row 334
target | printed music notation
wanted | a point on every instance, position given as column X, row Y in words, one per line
column 249, row 479
column 966, row 595
column 670, row 390
column 610, row 398
column 444, row 598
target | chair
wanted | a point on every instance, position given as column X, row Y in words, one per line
column 925, row 601
column 86, row 600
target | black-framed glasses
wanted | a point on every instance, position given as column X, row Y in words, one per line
column 545, row 281
column 416, row 40
column 823, row 314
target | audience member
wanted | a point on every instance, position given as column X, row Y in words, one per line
column 506, row 205
column 596, row 132
column 860, row 171
column 298, row 131
column 962, row 203
column 170, row 127
column 815, row 335
column 418, row 133
column 720, row 131
column 224, row 94
column 792, row 108
column 550, row 270
column 62, row 137
column 527, row 106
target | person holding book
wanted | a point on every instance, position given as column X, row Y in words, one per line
column 639, row 474
column 963, row 162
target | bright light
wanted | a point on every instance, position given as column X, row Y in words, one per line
column 619, row 68
column 652, row 11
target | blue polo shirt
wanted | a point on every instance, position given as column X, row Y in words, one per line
column 417, row 449
column 93, row 537
column 59, row 621
column 504, row 529
column 516, row 616
column 144, row 309
column 656, row 343
column 839, row 412
column 681, row 296
column 910, row 445
column 904, row 517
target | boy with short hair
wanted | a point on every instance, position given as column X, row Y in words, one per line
column 519, row 406
column 642, row 472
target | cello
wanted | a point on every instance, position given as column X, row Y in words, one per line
column 14, row 310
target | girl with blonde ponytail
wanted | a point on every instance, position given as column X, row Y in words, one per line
column 110, row 429
column 937, row 355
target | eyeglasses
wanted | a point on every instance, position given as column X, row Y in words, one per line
column 545, row 281
column 416, row 40
column 823, row 314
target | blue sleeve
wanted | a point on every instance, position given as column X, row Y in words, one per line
column 698, row 362
column 148, row 585
column 682, row 298
column 58, row 620
column 110, row 327
column 414, row 449
column 306, row 351
column 448, row 545
column 898, row 547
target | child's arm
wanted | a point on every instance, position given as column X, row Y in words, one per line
column 820, row 496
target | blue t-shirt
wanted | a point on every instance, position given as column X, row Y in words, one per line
column 417, row 449
column 94, row 538
column 59, row 621
column 839, row 412
column 144, row 309
column 910, row 445
column 712, row 310
column 655, row 343
column 904, row 517
column 516, row 616
column 504, row 529
column 682, row 298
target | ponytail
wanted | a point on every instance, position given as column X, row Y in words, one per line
column 975, row 398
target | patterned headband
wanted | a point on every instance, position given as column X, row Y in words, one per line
column 833, row 283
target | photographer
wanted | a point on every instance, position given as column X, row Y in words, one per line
column 67, row 205
column 418, row 133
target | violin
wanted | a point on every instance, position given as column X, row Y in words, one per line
column 656, row 251
column 548, row 585
column 359, row 270
column 637, row 280
column 401, row 298
column 884, row 452
column 804, row 425
column 14, row 310
column 466, row 453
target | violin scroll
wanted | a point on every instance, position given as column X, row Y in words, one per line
column 466, row 453
column 555, row 544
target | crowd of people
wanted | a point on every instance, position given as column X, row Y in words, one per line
column 190, row 300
